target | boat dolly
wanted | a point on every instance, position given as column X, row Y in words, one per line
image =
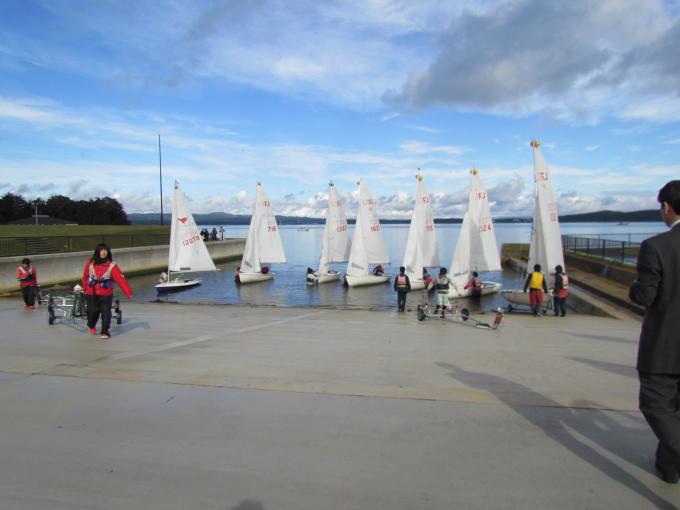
column 72, row 307
column 459, row 314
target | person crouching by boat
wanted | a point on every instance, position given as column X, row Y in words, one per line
column 312, row 278
column 475, row 284
column 536, row 285
column 441, row 286
column 402, row 286
column 100, row 275
column 560, row 291
column 378, row 270
column 28, row 280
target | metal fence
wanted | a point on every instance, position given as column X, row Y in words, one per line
column 20, row 246
column 625, row 252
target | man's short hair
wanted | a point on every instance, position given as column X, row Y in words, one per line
column 670, row 194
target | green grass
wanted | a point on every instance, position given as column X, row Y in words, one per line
column 79, row 230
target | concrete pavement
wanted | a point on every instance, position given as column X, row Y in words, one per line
column 234, row 407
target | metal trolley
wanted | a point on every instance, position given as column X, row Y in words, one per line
column 72, row 307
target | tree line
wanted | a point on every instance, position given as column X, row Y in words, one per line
column 96, row 211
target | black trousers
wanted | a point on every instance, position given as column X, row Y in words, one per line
column 28, row 294
column 401, row 300
column 99, row 306
column 560, row 305
column 660, row 405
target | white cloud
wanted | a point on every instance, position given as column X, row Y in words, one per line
column 574, row 60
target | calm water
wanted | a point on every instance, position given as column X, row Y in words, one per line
column 302, row 249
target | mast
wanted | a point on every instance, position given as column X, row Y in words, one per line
column 160, row 174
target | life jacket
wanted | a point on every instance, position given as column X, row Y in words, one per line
column 26, row 278
column 401, row 282
column 105, row 281
column 565, row 281
column 564, row 291
column 442, row 285
column 536, row 281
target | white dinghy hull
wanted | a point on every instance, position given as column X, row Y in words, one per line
column 244, row 278
column 364, row 280
column 519, row 297
column 487, row 288
column 178, row 284
column 330, row 276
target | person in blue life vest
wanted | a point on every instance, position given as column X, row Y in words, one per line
column 442, row 282
column 475, row 284
column 402, row 286
column 560, row 291
column 28, row 280
column 536, row 285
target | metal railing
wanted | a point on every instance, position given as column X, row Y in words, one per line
column 20, row 246
column 625, row 252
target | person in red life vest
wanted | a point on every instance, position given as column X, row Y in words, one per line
column 560, row 291
column 475, row 284
column 378, row 270
column 100, row 275
column 402, row 285
column 536, row 285
column 28, row 279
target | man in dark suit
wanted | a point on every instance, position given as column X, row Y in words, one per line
column 657, row 288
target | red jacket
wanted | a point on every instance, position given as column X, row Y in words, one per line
column 100, row 281
column 27, row 278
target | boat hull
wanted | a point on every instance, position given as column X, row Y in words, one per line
column 364, row 280
column 330, row 276
column 178, row 285
column 519, row 297
column 245, row 278
column 487, row 288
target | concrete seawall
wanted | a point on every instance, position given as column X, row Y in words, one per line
column 59, row 268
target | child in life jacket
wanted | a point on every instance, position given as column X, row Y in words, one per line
column 560, row 291
column 536, row 285
column 441, row 284
column 312, row 277
column 402, row 286
column 28, row 280
column 100, row 276
column 475, row 284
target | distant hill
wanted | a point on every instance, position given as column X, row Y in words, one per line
column 610, row 216
column 218, row 218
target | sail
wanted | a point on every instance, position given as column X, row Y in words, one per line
column 476, row 248
column 335, row 247
column 368, row 245
column 187, row 250
column 483, row 248
column 263, row 245
column 460, row 261
column 546, row 242
column 421, row 243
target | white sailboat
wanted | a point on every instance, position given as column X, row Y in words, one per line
column 368, row 245
column 476, row 249
column 421, row 243
column 187, row 251
column 335, row 245
column 546, row 243
column 263, row 245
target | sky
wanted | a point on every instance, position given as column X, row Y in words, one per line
column 296, row 94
